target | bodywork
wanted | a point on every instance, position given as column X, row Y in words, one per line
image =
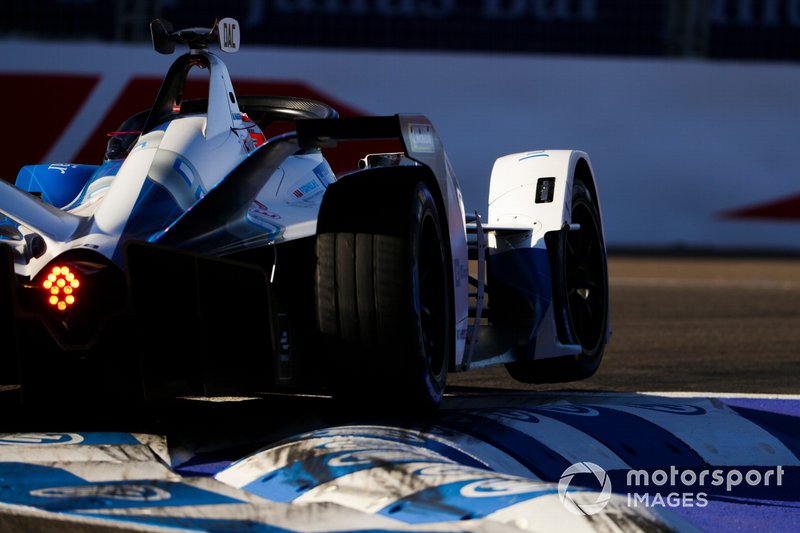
column 195, row 250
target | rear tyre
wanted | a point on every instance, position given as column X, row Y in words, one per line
column 383, row 292
column 580, row 272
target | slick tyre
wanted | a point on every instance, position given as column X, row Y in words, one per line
column 383, row 291
column 580, row 296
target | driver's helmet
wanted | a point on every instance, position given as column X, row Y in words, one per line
column 121, row 141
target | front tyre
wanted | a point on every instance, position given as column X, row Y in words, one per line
column 383, row 291
column 580, row 272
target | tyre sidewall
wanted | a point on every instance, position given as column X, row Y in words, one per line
column 428, row 370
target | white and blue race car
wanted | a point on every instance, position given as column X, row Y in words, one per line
column 205, row 254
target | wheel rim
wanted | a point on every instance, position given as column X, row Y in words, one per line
column 433, row 306
column 586, row 279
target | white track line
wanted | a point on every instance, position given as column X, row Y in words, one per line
column 608, row 394
column 756, row 284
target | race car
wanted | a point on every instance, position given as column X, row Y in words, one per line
column 216, row 250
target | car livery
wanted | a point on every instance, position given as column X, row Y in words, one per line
column 215, row 249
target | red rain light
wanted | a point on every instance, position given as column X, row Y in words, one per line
column 61, row 285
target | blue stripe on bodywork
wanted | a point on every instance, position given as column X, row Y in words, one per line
column 9, row 230
column 526, row 273
column 180, row 167
column 109, row 168
column 57, row 184
column 154, row 210
column 535, row 154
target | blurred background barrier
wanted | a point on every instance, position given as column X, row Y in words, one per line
column 687, row 108
column 717, row 29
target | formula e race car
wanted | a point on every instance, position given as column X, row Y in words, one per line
column 205, row 256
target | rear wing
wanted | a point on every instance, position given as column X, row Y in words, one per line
column 416, row 133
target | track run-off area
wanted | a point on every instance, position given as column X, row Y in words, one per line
column 691, row 423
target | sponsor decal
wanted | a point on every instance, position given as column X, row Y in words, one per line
column 464, row 500
column 126, row 492
column 311, row 187
column 336, row 460
column 514, row 414
column 575, row 410
column 380, row 456
column 260, row 215
column 460, row 272
column 229, row 35
column 305, row 189
column 673, row 409
column 420, row 137
column 367, row 431
column 324, row 173
column 40, row 439
column 261, row 210
column 647, row 447
column 492, row 488
column 61, row 167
